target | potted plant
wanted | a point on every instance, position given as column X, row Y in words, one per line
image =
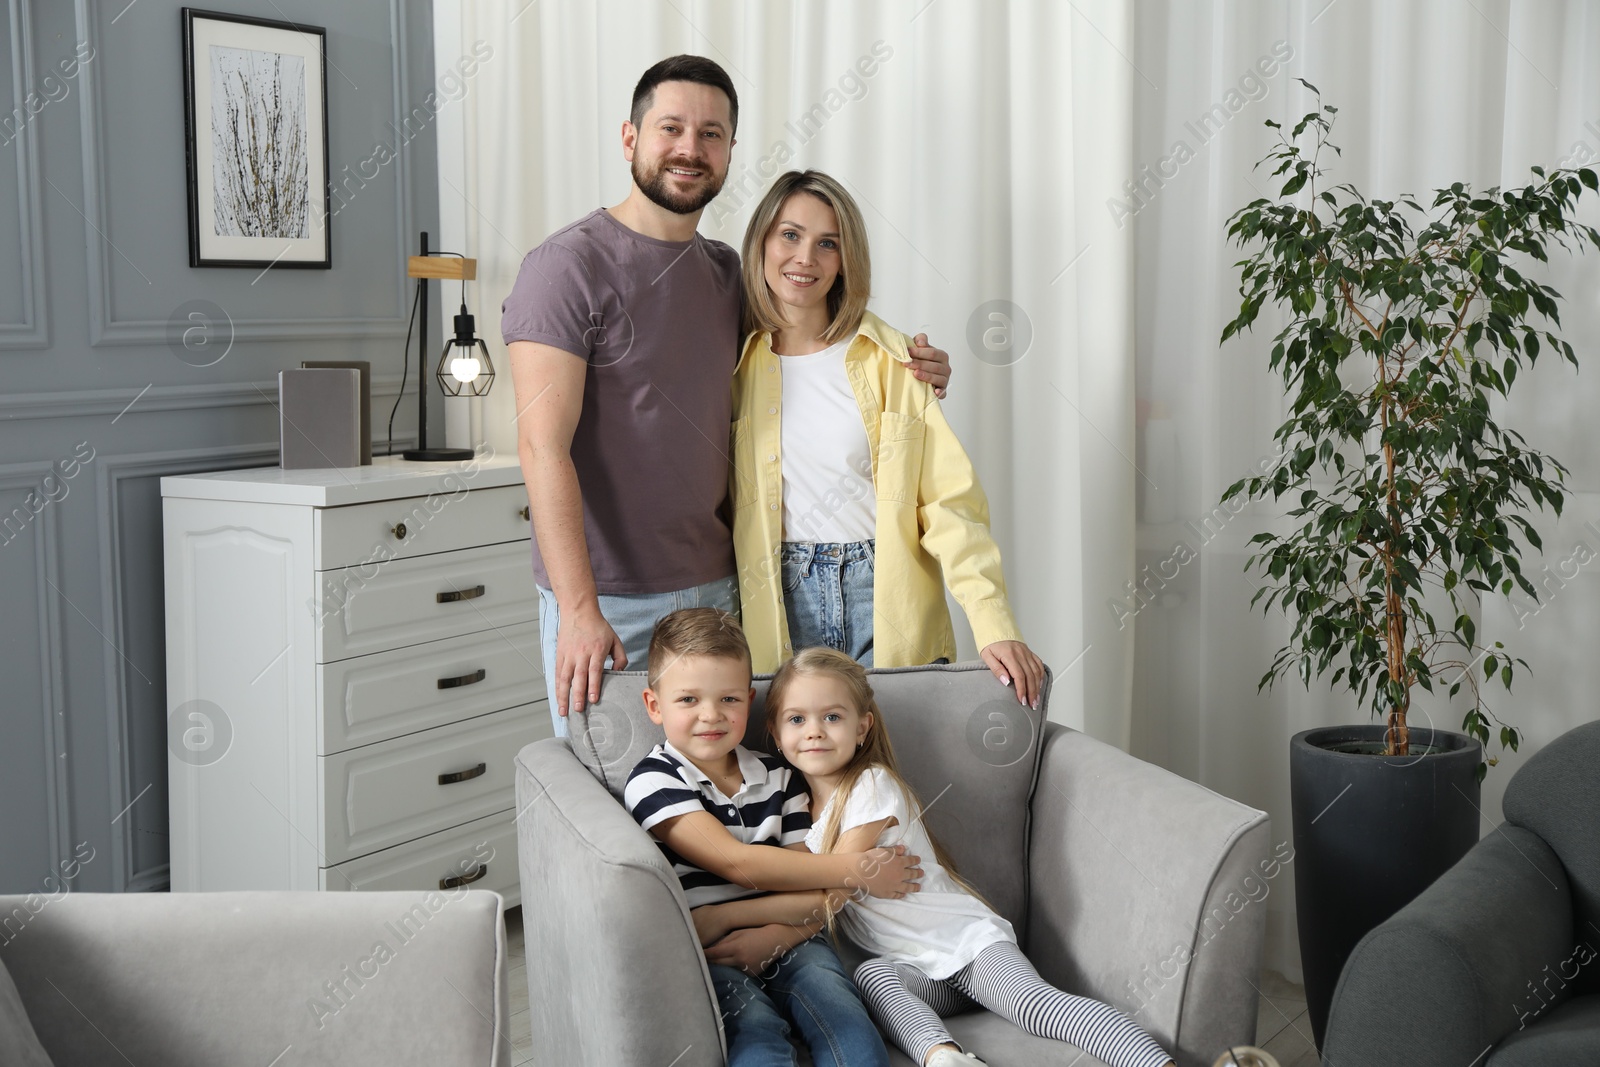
column 1410, row 504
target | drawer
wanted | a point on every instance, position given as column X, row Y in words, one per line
column 410, row 601
column 460, row 852
column 370, row 535
column 373, row 698
column 389, row 793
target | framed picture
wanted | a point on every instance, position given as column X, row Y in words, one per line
column 255, row 108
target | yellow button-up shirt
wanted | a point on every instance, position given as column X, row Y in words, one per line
column 932, row 515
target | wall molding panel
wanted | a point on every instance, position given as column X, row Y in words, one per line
column 101, row 184
column 110, row 473
column 34, row 329
column 115, row 402
column 106, row 329
column 47, row 568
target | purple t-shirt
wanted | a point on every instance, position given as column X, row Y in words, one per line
column 658, row 324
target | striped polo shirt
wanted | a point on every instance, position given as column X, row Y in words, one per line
column 772, row 807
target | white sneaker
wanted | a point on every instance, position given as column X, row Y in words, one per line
column 945, row 1057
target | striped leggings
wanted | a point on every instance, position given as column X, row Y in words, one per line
column 907, row 1005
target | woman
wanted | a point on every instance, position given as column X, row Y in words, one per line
column 854, row 504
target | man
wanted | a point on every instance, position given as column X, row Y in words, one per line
column 625, row 447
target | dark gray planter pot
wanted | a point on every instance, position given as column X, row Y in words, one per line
column 1370, row 833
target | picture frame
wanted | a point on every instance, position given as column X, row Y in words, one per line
column 255, row 108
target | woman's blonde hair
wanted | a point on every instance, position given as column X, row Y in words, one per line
column 847, row 300
column 874, row 751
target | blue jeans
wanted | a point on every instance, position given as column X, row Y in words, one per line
column 634, row 617
column 809, row 988
column 827, row 596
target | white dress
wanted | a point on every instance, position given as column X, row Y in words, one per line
column 938, row 930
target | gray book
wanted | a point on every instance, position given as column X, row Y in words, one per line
column 365, row 367
column 319, row 414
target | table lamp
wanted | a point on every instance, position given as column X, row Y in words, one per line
column 464, row 368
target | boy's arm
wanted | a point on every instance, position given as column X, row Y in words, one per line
column 704, row 842
column 742, row 941
column 754, row 950
column 713, row 922
column 863, row 837
column 857, row 839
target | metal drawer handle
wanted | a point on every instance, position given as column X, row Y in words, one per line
column 459, row 594
column 527, row 515
column 466, row 679
column 399, row 530
column 463, row 879
column 462, row 776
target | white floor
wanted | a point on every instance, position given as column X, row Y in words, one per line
column 1282, row 1027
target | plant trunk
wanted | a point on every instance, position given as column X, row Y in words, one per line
column 1397, row 736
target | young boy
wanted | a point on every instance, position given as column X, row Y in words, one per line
column 717, row 810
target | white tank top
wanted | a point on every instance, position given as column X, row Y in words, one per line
column 827, row 462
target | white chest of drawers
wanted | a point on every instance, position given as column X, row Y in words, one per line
column 352, row 665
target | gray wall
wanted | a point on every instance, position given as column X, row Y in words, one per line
column 93, row 264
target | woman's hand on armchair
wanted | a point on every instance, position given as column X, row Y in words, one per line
column 1015, row 665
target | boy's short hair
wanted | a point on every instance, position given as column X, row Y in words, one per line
column 696, row 632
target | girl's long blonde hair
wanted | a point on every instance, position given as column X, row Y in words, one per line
column 875, row 750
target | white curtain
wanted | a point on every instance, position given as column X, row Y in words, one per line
column 1079, row 159
column 981, row 140
column 1429, row 93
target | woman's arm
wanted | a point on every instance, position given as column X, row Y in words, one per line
column 704, row 842
column 954, row 513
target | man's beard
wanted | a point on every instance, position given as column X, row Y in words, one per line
column 654, row 184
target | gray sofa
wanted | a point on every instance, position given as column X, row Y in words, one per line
column 1125, row 882
column 269, row 978
column 1497, row 964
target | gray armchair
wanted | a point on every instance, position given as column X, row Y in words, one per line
column 279, row 978
column 1497, row 963
column 1126, row 883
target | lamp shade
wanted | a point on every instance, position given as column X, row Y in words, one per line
column 464, row 366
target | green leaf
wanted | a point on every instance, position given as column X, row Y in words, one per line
column 1293, row 185
column 1589, row 178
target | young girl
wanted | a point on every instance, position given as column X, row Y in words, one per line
column 939, row 950
column 850, row 492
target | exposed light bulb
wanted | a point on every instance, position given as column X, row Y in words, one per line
column 465, row 369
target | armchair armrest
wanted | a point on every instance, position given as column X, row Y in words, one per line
column 1450, row 974
column 242, row 977
column 615, row 972
column 1146, row 891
